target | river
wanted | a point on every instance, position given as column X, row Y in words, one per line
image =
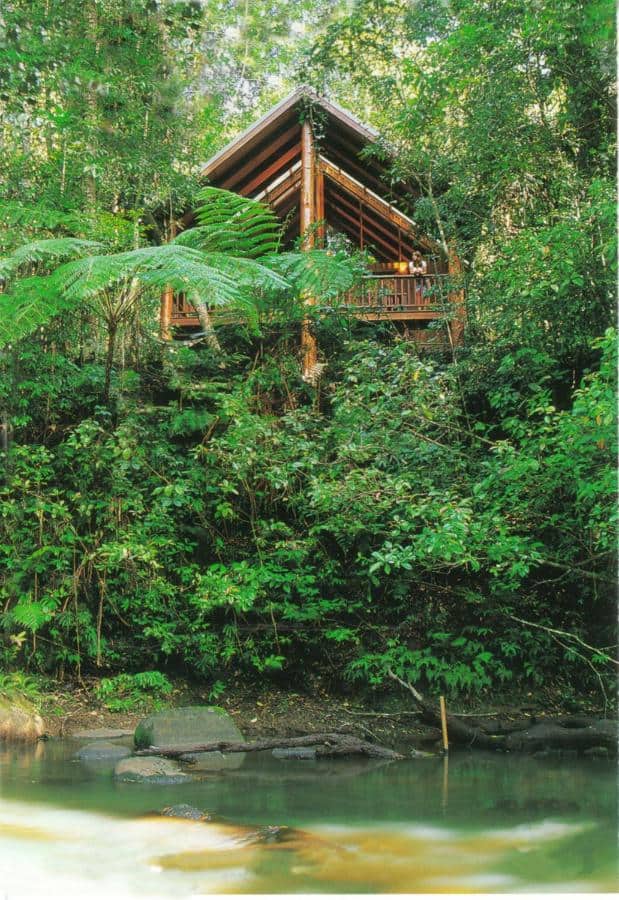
column 476, row 823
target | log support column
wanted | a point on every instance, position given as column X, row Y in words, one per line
column 457, row 299
column 308, row 218
column 165, row 315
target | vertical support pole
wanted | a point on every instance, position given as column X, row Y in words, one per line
column 361, row 232
column 165, row 314
column 454, row 269
column 320, row 202
column 444, row 725
column 167, row 298
column 308, row 217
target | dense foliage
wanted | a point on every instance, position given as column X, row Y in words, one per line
column 203, row 510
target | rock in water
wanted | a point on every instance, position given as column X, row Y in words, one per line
column 149, row 770
column 19, row 722
column 100, row 757
column 100, row 734
column 102, row 750
column 184, row 811
column 186, row 727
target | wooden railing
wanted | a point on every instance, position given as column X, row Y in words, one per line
column 378, row 297
column 182, row 309
column 399, row 294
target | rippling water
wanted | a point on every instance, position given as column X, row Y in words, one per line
column 479, row 824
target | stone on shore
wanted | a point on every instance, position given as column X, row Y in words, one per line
column 186, row 727
column 20, row 722
column 185, row 811
column 149, row 770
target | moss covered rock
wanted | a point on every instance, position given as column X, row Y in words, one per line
column 186, row 727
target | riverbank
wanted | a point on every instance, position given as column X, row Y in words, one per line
column 262, row 711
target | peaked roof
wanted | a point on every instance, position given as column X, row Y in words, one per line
column 277, row 134
column 361, row 200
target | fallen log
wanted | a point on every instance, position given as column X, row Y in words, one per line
column 577, row 733
column 549, row 735
column 328, row 745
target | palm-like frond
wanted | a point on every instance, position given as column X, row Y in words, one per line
column 316, row 272
column 44, row 252
column 14, row 214
column 228, row 223
column 31, row 304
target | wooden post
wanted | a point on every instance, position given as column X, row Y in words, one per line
column 167, row 298
column 454, row 268
column 165, row 315
column 445, row 792
column 308, row 217
column 444, row 725
column 320, row 202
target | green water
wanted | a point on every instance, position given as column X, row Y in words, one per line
column 478, row 823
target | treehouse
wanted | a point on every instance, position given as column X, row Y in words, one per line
column 311, row 161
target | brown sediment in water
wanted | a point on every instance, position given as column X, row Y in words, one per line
column 25, row 832
column 438, row 861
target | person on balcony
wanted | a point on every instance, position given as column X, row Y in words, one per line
column 417, row 265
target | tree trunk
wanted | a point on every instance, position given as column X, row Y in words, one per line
column 205, row 321
column 327, row 745
column 112, row 331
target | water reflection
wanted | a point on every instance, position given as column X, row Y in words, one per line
column 472, row 823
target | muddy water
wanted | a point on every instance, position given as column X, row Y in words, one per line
column 480, row 824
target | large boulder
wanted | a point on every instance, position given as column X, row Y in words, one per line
column 19, row 721
column 186, row 727
column 149, row 770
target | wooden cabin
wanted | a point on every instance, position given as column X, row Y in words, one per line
column 306, row 159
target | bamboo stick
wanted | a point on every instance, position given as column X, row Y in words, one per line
column 444, row 725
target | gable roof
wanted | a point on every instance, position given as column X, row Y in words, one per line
column 264, row 163
column 273, row 143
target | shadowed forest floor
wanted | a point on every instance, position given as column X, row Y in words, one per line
column 266, row 711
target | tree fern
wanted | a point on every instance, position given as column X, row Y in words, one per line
column 229, row 259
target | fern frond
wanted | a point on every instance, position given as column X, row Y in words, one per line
column 316, row 272
column 233, row 224
column 31, row 304
column 51, row 250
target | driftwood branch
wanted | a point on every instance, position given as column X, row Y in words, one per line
column 327, row 745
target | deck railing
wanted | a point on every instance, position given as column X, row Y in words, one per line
column 388, row 296
column 399, row 294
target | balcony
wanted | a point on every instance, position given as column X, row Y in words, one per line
column 380, row 297
column 399, row 297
